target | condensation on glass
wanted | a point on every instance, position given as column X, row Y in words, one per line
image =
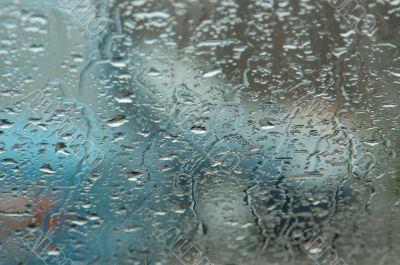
column 199, row 132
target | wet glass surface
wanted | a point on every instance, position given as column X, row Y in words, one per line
column 199, row 132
